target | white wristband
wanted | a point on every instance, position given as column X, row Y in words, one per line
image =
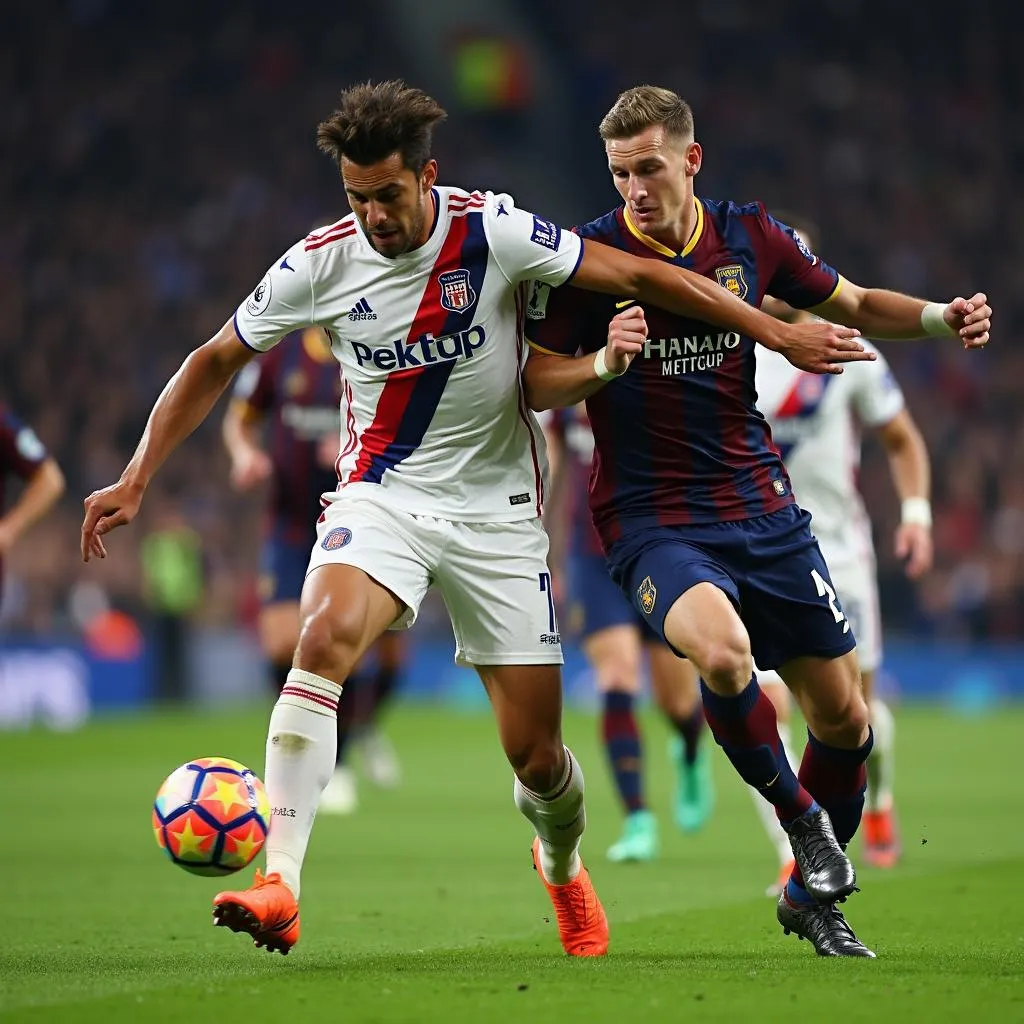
column 916, row 512
column 601, row 367
column 933, row 322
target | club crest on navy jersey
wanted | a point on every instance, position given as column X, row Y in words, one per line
column 731, row 277
column 457, row 293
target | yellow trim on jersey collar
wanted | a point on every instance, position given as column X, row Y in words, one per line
column 664, row 250
column 314, row 341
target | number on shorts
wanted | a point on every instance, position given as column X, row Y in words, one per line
column 825, row 590
column 545, row 588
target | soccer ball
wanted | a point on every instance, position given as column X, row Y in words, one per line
column 211, row 816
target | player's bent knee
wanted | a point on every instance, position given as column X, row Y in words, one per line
column 538, row 766
column 726, row 665
column 329, row 642
column 843, row 723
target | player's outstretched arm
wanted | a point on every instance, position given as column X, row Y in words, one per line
column 879, row 313
column 817, row 346
column 183, row 404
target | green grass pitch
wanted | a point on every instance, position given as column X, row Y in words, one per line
column 423, row 906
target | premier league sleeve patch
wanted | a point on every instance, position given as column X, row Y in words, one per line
column 337, row 538
column 546, row 233
column 258, row 302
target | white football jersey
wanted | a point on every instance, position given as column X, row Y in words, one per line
column 816, row 422
column 433, row 416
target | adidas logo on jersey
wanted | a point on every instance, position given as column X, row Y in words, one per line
column 361, row 311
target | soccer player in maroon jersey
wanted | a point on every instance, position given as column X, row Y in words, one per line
column 448, row 271
column 295, row 394
column 691, row 499
column 23, row 455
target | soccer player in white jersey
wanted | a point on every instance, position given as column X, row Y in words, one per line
column 817, row 423
column 421, row 289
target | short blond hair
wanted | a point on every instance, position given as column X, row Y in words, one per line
column 643, row 106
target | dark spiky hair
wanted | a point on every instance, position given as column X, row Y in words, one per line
column 375, row 120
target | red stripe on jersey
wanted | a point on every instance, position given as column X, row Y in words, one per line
column 473, row 196
column 735, row 440
column 792, row 403
column 430, row 319
column 327, row 239
column 348, row 220
column 521, row 403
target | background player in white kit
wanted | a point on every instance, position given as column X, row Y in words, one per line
column 817, row 423
column 441, row 468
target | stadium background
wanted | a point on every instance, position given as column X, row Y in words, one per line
column 156, row 159
column 161, row 160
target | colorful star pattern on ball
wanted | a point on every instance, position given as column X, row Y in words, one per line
column 211, row 816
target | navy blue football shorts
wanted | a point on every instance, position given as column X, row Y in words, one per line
column 283, row 563
column 596, row 603
column 770, row 567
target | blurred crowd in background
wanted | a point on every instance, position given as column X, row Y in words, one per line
column 158, row 159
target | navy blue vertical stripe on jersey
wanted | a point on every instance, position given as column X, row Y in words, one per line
column 432, row 380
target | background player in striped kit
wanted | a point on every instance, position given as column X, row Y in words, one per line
column 692, row 501
column 294, row 393
column 440, row 473
column 816, row 424
column 24, row 456
column 615, row 639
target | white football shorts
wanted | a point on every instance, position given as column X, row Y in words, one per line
column 493, row 577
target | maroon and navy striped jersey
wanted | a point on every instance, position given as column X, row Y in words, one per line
column 295, row 389
column 21, row 453
column 679, row 438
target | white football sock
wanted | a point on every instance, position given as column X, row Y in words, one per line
column 301, row 744
column 881, row 766
column 559, row 819
column 766, row 811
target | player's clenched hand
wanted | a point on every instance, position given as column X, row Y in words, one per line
column 327, row 451
column 914, row 548
column 821, row 347
column 250, row 467
column 627, row 332
column 104, row 510
column 971, row 319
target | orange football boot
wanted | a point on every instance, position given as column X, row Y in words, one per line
column 582, row 925
column 780, row 883
column 881, row 840
column 267, row 911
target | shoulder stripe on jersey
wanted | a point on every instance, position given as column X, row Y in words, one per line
column 347, row 220
column 336, row 236
column 471, row 197
column 410, row 397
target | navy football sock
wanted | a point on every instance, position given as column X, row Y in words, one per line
column 622, row 745
column 837, row 778
column 745, row 727
column 689, row 729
